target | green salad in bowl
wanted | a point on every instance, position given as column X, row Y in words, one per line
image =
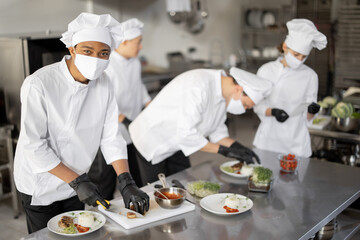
column 202, row 188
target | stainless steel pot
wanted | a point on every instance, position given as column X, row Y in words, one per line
column 345, row 124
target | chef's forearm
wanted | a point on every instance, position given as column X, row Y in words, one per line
column 268, row 112
column 227, row 142
column 64, row 173
column 310, row 116
column 121, row 118
column 147, row 103
column 210, row 147
column 120, row 166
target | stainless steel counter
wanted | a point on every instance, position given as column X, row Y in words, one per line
column 343, row 136
column 296, row 208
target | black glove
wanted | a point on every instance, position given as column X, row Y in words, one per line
column 239, row 154
column 126, row 122
column 237, row 145
column 279, row 114
column 87, row 191
column 313, row 108
column 131, row 193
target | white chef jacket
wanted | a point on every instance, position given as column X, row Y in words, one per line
column 291, row 88
column 63, row 120
column 130, row 93
column 181, row 117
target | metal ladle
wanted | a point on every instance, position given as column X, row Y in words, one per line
column 160, row 192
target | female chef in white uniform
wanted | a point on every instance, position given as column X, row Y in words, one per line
column 68, row 111
column 283, row 128
column 187, row 111
column 131, row 95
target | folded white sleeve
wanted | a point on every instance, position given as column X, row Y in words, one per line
column 220, row 133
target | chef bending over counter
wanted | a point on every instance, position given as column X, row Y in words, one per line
column 187, row 111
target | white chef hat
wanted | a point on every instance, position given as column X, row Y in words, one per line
column 254, row 86
column 303, row 36
column 91, row 27
column 132, row 28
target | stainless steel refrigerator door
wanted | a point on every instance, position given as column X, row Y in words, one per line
column 12, row 75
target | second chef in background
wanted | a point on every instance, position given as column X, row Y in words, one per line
column 295, row 87
column 124, row 72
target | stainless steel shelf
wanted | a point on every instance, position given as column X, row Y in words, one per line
column 349, row 137
column 5, row 134
column 4, row 166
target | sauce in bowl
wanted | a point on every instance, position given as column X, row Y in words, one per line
column 170, row 195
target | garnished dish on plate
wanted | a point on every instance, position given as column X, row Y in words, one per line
column 76, row 223
column 261, row 180
column 237, row 169
column 202, row 188
column 288, row 163
column 226, row 203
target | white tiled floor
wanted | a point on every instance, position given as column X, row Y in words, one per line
column 11, row 228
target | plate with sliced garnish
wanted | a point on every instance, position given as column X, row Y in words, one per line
column 226, row 203
column 237, row 169
column 76, row 223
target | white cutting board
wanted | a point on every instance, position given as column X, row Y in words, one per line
column 325, row 120
column 155, row 213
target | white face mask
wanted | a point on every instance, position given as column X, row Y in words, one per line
column 90, row 67
column 292, row 61
column 235, row 107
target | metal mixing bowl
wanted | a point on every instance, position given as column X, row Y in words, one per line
column 170, row 203
column 345, row 124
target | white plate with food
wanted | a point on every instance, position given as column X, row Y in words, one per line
column 237, row 169
column 226, row 203
column 76, row 223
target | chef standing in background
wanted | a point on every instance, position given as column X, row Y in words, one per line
column 124, row 72
column 295, row 85
column 68, row 110
column 189, row 110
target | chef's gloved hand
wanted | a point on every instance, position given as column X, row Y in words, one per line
column 240, row 147
column 313, row 108
column 87, row 191
column 279, row 114
column 240, row 154
column 131, row 193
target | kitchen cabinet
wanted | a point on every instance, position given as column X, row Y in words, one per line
column 7, row 167
column 319, row 12
column 347, row 47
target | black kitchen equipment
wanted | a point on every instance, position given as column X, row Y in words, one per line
column 3, row 116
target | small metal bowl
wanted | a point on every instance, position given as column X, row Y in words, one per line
column 170, row 203
column 345, row 124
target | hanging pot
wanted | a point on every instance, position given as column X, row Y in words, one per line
column 177, row 17
column 196, row 20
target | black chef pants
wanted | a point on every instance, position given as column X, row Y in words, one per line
column 38, row 216
column 171, row 165
column 104, row 175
